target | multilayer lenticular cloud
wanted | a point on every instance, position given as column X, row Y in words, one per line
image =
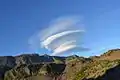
column 52, row 38
column 62, row 35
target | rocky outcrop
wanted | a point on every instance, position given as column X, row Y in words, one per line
column 7, row 61
column 45, row 67
column 34, row 71
column 34, row 61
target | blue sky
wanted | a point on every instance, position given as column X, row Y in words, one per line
column 20, row 19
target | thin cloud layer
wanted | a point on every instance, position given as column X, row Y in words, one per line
column 61, row 35
column 52, row 38
column 64, row 47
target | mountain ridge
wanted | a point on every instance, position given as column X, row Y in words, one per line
column 45, row 67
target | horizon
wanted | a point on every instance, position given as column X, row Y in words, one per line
column 92, row 27
column 57, row 55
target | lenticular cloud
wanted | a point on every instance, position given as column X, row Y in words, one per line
column 53, row 38
column 62, row 35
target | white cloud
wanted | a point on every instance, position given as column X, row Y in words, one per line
column 61, row 24
column 67, row 47
column 62, row 34
column 58, row 35
column 63, row 49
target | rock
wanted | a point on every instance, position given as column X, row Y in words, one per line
column 26, row 72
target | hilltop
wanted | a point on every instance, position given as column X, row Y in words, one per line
column 45, row 67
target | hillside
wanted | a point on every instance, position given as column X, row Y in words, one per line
column 45, row 67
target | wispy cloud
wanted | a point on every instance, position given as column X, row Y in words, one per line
column 69, row 46
column 52, row 38
column 62, row 34
column 64, row 47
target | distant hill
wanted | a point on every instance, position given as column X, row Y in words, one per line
column 111, row 54
column 45, row 67
column 12, row 61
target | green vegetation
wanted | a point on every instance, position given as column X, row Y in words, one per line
column 26, row 71
column 104, row 67
column 95, row 69
column 70, row 58
column 57, row 60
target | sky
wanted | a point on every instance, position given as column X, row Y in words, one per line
column 21, row 19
